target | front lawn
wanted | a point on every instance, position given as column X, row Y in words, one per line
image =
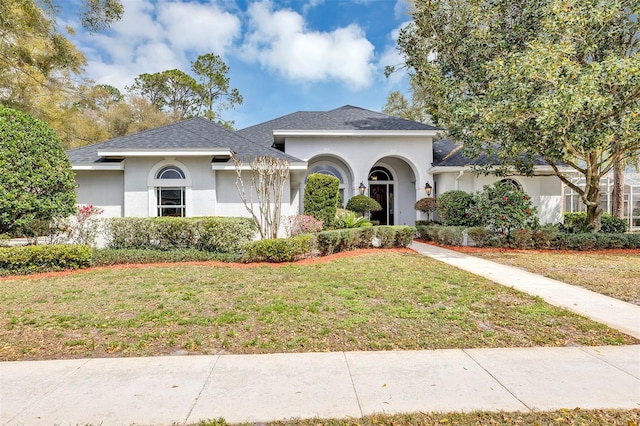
column 381, row 301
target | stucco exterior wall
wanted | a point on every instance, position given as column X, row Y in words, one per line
column 103, row 189
column 408, row 157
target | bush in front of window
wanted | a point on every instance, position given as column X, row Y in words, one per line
column 213, row 234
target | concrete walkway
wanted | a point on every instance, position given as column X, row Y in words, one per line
column 615, row 313
column 259, row 388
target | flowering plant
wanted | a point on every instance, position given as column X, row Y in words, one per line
column 83, row 228
column 304, row 224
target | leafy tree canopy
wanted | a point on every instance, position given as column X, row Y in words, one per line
column 36, row 180
column 526, row 78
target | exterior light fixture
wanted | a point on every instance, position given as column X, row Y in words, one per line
column 427, row 189
column 361, row 188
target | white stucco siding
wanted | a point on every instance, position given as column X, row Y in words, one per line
column 409, row 157
column 139, row 187
column 230, row 203
column 362, row 152
column 103, row 189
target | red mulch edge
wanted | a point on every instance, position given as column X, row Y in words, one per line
column 307, row 261
column 472, row 250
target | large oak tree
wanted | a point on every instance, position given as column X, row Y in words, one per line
column 524, row 78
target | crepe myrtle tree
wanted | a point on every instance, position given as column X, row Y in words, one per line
column 268, row 176
column 523, row 80
column 36, row 180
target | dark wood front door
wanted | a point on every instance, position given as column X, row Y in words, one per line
column 383, row 194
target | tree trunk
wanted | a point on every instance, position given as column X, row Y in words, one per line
column 617, row 199
column 592, row 201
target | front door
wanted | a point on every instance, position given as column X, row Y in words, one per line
column 383, row 194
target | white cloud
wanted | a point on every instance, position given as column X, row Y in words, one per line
column 202, row 28
column 279, row 41
column 156, row 36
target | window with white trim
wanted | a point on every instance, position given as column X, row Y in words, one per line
column 170, row 199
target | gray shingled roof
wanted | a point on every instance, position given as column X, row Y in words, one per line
column 195, row 133
column 447, row 153
column 344, row 118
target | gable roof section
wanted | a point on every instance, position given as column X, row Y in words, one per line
column 196, row 135
column 346, row 118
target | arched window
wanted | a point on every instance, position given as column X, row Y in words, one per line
column 327, row 169
column 170, row 198
column 512, row 183
column 170, row 172
column 380, row 173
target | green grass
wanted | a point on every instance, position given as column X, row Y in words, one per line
column 382, row 301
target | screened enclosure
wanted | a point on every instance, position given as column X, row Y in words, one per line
column 573, row 203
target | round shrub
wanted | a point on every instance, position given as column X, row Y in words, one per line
column 453, row 209
column 362, row 204
column 426, row 205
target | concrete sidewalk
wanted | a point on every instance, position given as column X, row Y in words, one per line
column 615, row 313
column 259, row 388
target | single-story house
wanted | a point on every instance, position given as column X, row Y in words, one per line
column 185, row 169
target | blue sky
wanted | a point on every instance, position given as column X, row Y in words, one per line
column 284, row 56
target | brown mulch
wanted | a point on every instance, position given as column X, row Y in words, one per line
column 213, row 263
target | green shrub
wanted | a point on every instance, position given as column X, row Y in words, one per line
column 225, row 234
column 107, row 257
column 451, row 235
column 613, row 225
column 363, row 204
column 43, row 258
column 576, row 223
column 386, row 236
column 321, row 197
column 429, row 233
column 328, row 242
column 582, row 241
column 633, row 241
column 502, row 209
column 479, row 235
column 404, row 235
column 543, row 238
column 523, row 238
column 453, row 209
column 279, row 249
column 611, row 241
column 214, row 234
column 426, row 205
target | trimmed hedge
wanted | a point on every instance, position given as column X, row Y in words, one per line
column 279, row 249
column 543, row 238
column 108, row 257
column 356, row 238
column 212, row 234
column 43, row 258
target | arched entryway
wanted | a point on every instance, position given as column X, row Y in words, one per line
column 392, row 183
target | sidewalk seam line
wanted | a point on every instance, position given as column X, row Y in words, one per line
column 355, row 391
column 496, row 379
column 583, row 349
column 204, row 385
